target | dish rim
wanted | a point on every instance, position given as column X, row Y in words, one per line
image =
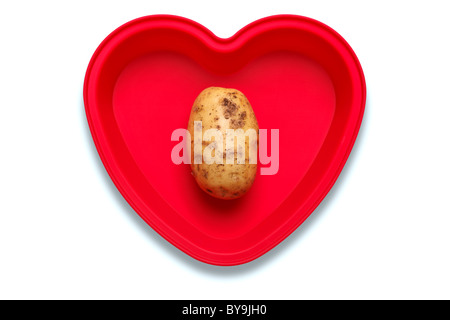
column 224, row 44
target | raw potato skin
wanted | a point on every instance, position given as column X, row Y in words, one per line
column 223, row 108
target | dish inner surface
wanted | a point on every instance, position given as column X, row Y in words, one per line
column 153, row 96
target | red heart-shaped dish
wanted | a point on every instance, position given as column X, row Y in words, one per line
column 300, row 77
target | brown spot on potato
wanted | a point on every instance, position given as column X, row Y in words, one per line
column 230, row 108
column 236, row 124
column 197, row 108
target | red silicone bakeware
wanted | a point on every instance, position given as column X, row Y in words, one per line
column 300, row 76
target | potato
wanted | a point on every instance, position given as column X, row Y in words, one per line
column 223, row 109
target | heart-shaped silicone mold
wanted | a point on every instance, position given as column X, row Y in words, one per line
column 300, row 77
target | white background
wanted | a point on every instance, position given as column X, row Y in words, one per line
column 381, row 233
